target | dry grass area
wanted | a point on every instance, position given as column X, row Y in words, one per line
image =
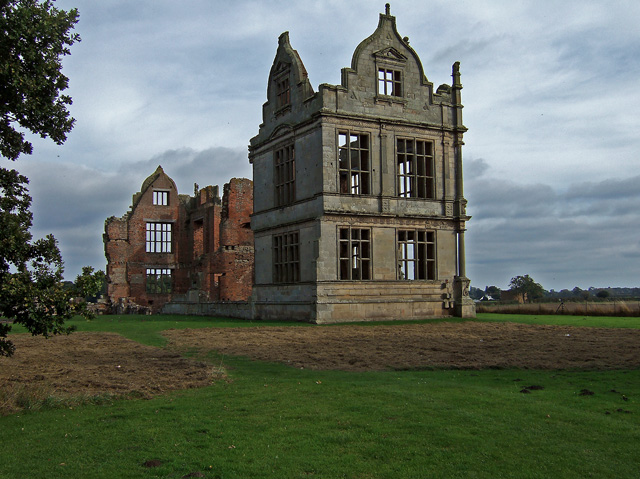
column 471, row 345
column 94, row 364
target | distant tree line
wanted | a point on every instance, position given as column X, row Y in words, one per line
column 535, row 292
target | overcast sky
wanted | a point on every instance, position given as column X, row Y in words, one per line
column 551, row 95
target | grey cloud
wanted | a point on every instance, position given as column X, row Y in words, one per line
column 559, row 254
column 494, row 198
column 598, row 49
column 475, row 168
column 610, row 188
column 67, row 195
column 585, row 237
column 187, row 166
column 72, row 202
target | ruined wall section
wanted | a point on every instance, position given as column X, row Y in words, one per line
column 116, row 249
column 209, row 254
column 235, row 259
column 201, row 242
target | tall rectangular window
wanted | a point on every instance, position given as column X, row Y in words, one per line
column 158, row 280
column 158, row 238
column 285, row 175
column 415, row 169
column 283, row 92
column 355, row 253
column 161, row 198
column 416, row 254
column 286, row 258
column 354, row 163
column 389, row 82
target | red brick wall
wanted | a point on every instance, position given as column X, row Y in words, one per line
column 235, row 260
column 212, row 243
column 139, row 260
column 237, row 207
column 116, row 251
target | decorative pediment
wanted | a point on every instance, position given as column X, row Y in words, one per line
column 390, row 53
column 281, row 130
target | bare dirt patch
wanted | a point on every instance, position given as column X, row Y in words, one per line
column 412, row 346
column 97, row 363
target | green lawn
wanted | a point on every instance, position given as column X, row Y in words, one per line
column 274, row 421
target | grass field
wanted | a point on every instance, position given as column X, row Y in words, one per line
column 270, row 420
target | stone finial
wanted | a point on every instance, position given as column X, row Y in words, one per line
column 283, row 38
column 455, row 73
column 387, row 9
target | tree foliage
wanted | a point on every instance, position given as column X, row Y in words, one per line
column 493, row 291
column 34, row 37
column 31, row 291
column 87, row 287
column 526, row 285
column 89, row 284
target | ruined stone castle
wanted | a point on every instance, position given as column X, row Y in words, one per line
column 358, row 204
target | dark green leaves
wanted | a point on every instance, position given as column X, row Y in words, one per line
column 34, row 37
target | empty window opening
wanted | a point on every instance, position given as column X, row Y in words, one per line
column 286, row 258
column 415, row 169
column 161, row 198
column 158, row 280
column 355, row 253
column 198, row 239
column 285, row 175
column 354, row 163
column 158, row 238
column 389, row 82
column 416, row 255
column 283, row 93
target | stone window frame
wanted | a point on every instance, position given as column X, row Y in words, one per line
column 286, row 257
column 390, row 68
column 158, row 237
column 390, row 81
column 355, row 254
column 159, row 280
column 283, row 91
column 415, row 168
column 353, row 179
column 284, row 163
column 160, row 198
column 416, row 254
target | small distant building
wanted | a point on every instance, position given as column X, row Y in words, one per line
column 169, row 245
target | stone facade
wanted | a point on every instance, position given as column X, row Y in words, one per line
column 170, row 246
column 359, row 212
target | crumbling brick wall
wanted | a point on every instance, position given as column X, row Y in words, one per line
column 236, row 257
column 211, row 244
